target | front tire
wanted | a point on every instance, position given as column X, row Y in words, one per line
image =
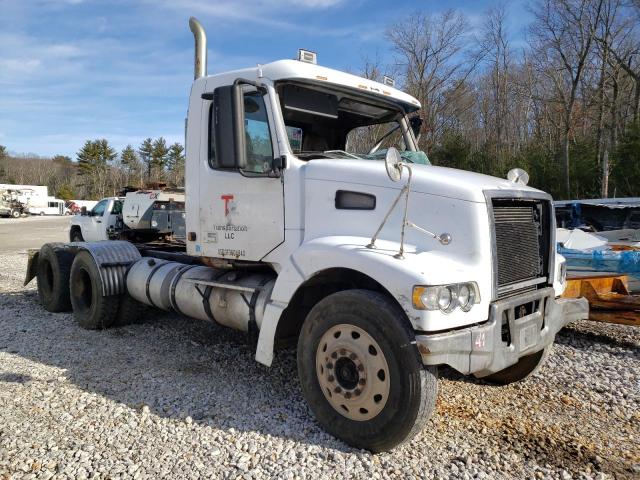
column 522, row 370
column 15, row 213
column 360, row 372
column 76, row 235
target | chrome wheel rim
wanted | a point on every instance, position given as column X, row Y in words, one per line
column 352, row 372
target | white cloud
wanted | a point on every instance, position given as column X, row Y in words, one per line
column 273, row 13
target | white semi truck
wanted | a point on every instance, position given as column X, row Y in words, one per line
column 379, row 265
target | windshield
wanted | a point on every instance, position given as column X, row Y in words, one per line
column 334, row 123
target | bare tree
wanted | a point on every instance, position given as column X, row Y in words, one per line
column 562, row 39
column 432, row 57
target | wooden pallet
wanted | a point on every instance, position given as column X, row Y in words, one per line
column 608, row 296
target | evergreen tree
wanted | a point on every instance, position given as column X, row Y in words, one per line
column 93, row 163
column 175, row 163
column 129, row 165
column 128, row 159
column 3, row 152
column 145, row 151
column 159, row 155
column 65, row 192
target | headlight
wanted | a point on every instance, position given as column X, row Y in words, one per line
column 465, row 297
column 446, row 298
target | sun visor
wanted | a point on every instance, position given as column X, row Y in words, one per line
column 309, row 101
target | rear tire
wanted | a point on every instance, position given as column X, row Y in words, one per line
column 41, row 214
column 15, row 213
column 54, row 267
column 91, row 309
column 522, row 370
column 360, row 373
column 130, row 311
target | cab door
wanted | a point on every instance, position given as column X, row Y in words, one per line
column 241, row 212
column 92, row 229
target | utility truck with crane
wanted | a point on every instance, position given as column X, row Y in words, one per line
column 138, row 215
column 311, row 215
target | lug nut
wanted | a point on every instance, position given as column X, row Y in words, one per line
column 329, row 365
column 360, row 368
column 337, row 389
column 331, row 378
column 334, row 355
column 347, row 395
column 362, row 381
column 353, row 356
column 357, row 392
column 343, row 352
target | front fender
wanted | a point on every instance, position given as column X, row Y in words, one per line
column 397, row 276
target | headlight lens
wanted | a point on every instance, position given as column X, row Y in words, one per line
column 464, row 295
column 446, row 298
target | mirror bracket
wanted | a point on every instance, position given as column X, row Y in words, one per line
column 278, row 164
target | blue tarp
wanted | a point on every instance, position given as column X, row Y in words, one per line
column 626, row 261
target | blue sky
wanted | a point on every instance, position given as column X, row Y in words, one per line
column 72, row 70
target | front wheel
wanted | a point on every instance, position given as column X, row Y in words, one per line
column 15, row 213
column 76, row 235
column 360, row 372
column 41, row 214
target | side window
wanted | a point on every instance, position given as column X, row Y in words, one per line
column 257, row 134
column 98, row 210
column 259, row 148
column 117, row 208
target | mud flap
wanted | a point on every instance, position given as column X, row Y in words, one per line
column 32, row 265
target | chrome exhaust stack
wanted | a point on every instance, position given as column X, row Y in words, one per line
column 200, row 37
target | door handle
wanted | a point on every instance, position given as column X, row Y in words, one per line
column 98, row 221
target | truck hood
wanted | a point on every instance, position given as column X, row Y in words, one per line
column 427, row 179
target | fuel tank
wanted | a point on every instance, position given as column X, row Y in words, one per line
column 228, row 297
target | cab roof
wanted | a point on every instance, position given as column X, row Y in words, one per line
column 309, row 72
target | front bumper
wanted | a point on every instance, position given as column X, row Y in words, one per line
column 517, row 327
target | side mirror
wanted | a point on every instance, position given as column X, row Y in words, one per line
column 228, row 126
column 393, row 164
column 83, row 211
column 416, row 124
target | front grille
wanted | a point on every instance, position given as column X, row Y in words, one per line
column 521, row 244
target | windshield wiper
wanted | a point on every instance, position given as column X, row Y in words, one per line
column 379, row 142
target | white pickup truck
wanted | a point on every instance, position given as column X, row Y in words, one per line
column 98, row 223
column 301, row 226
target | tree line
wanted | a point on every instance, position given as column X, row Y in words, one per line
column 564, row 104
column 99, row 170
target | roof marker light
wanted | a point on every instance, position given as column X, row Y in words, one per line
column 307, row 56
column 388, row 81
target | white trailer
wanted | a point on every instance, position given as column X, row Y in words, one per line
column 380, row 266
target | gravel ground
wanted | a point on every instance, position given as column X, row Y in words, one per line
column 176, row 398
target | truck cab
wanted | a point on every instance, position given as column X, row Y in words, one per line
column 95, row 224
